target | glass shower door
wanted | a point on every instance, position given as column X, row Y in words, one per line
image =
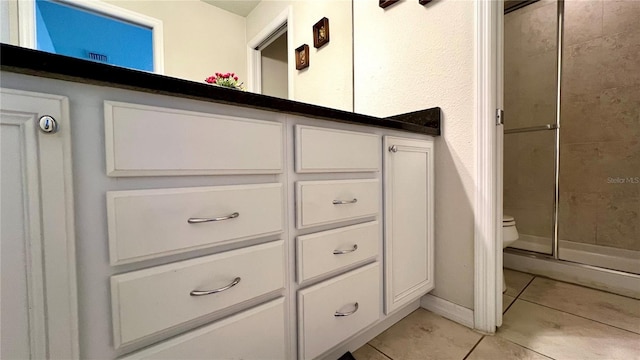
column 599, row 217
column 530, row 98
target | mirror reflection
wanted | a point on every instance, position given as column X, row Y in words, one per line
column 243, row 44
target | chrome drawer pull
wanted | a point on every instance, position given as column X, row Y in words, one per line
column 342, row 202
column 209, row 292
column 340, row 252
column 337, row 314
column 204, row 220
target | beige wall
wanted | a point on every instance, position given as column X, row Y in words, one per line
column 199, row 39
column 412, row 57
column 328, row 79
column 263, row 14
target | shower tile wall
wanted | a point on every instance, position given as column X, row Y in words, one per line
column 530, row 100
column 600, row 120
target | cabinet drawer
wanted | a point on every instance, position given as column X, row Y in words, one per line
column 148, row 301
column 145, row 224
column 331, row 250
column 328, row 150
column 325, row 202
column 144, row 140
column 258, row 333
column 320, row 326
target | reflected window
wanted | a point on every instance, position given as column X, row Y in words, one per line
column 81, row 33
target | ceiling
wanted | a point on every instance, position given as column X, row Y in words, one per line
column 239, row 7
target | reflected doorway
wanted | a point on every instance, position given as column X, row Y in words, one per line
column 274, row 67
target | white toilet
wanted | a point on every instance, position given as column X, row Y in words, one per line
column 509, row 236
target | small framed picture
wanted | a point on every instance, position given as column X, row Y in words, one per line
column 302, row 57
column 321, row 33
column 384, row 3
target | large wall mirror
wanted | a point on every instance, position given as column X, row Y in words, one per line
column 195, row 39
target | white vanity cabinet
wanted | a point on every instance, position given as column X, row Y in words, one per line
column 408, row 219
column 214, row 231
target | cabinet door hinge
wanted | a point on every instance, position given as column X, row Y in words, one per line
column 499, row 117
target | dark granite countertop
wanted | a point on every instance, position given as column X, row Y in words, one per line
column 38, row 63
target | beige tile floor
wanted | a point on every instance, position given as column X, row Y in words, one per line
column 543, row 319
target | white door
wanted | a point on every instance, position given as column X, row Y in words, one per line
column 408, row 220
column 38, row 313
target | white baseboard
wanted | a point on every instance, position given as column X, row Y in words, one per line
column 447, row 309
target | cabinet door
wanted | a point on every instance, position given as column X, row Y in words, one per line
column 38, row 310
column 408, row 217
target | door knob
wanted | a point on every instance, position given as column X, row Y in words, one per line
column 48, row 124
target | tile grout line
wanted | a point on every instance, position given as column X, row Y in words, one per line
column 582, row 317
column 537, row 352
column 378, row 350
column 509, row 307
column 519, row 293
column 549, row 307
column 473, row 348
column 524, row 347
column 524, row 288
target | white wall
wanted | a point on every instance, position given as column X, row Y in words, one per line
column 10, row 21
column 199, row 39
column 328, row 79
column 5, row 35
column 412, row 57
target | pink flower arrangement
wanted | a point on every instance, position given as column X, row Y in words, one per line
column 226, row 80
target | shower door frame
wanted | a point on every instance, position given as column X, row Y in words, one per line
column 625, row 282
